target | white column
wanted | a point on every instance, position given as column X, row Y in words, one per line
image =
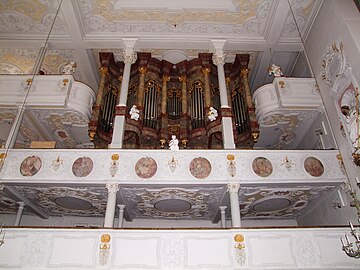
column 121, row 215
column 223, row 217
column 226, row 121
column 19, row 213
column 111, row 205
column 10, row 142
column 120, row 120
column 234, row 205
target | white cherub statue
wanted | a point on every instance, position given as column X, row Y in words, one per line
column 134, row 113
column 69, row 69
column 275, row 70
column 212, row 114
column 174, row 143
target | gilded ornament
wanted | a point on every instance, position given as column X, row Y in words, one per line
column 239, row 238
column 105, row 238
column 230, row 157
column 115, row 157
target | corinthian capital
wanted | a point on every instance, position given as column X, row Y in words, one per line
column 112, row 188
column 129, row 56
column 219, row 59
column 233, row 187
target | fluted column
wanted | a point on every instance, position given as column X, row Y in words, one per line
column 207, row 94
column 165, row 80
column 110, row 205
column 226, row 115
column 244, row 72
column 118, row 94
column 228, row 91
column 121, row 215
column 19, row 213
column 184, row 104
column 234, row 205
column 121, row 109
column 141, row 91
column 223, row 217
column 11, row 139
column 99, row 96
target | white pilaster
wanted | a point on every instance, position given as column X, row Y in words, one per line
column 19, row 213
column 121, row 215
column 111, row 204
column 234, row 205
column 223, row 217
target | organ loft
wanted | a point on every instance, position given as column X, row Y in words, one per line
column 184, row 99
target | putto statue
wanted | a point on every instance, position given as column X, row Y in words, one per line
column 69, row 69
column 351, row 117
column 134, row 113
column 212, row 114
column 174, row 143
column 275, row 70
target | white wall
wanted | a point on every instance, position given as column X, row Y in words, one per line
column 337, row 19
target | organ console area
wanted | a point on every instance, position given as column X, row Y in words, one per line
column 174, row 99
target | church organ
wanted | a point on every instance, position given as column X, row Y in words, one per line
column 172, row 99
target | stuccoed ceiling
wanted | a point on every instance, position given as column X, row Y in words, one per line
column 191, row 202
column 170, row 30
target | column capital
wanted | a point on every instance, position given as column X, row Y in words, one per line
column 244, row 72
column 233, row 187
column 129, row 56
column 206, row 71
column 219, row 59
column 143, row 70
column 103, row 71
column 222, row 208
column 165, row 78
column 112, row 188
column 21, row 204
column 129, row 52
column 182, row 78
column 121, row 207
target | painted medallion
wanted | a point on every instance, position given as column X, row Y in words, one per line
column 82, row 166
column 262, row 166
column 30, row 166
column 146, row 167
column 200, row 167
column 313, row 166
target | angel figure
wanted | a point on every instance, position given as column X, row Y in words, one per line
column 174, row 143
column 212, row 114
column 134, row 113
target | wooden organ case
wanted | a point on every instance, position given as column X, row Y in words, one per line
column 174, row 99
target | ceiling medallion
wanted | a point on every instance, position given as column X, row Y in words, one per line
column 30, row 166
column 146, row 167
column 200, row 167
column 173, row 204
column 313, row 166
column 82, row 166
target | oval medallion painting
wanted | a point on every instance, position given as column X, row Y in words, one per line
column 30, row 166
column 146, row 167
column 200, row 167
column 262, row 166
column 82, row 166
column 313, row 166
